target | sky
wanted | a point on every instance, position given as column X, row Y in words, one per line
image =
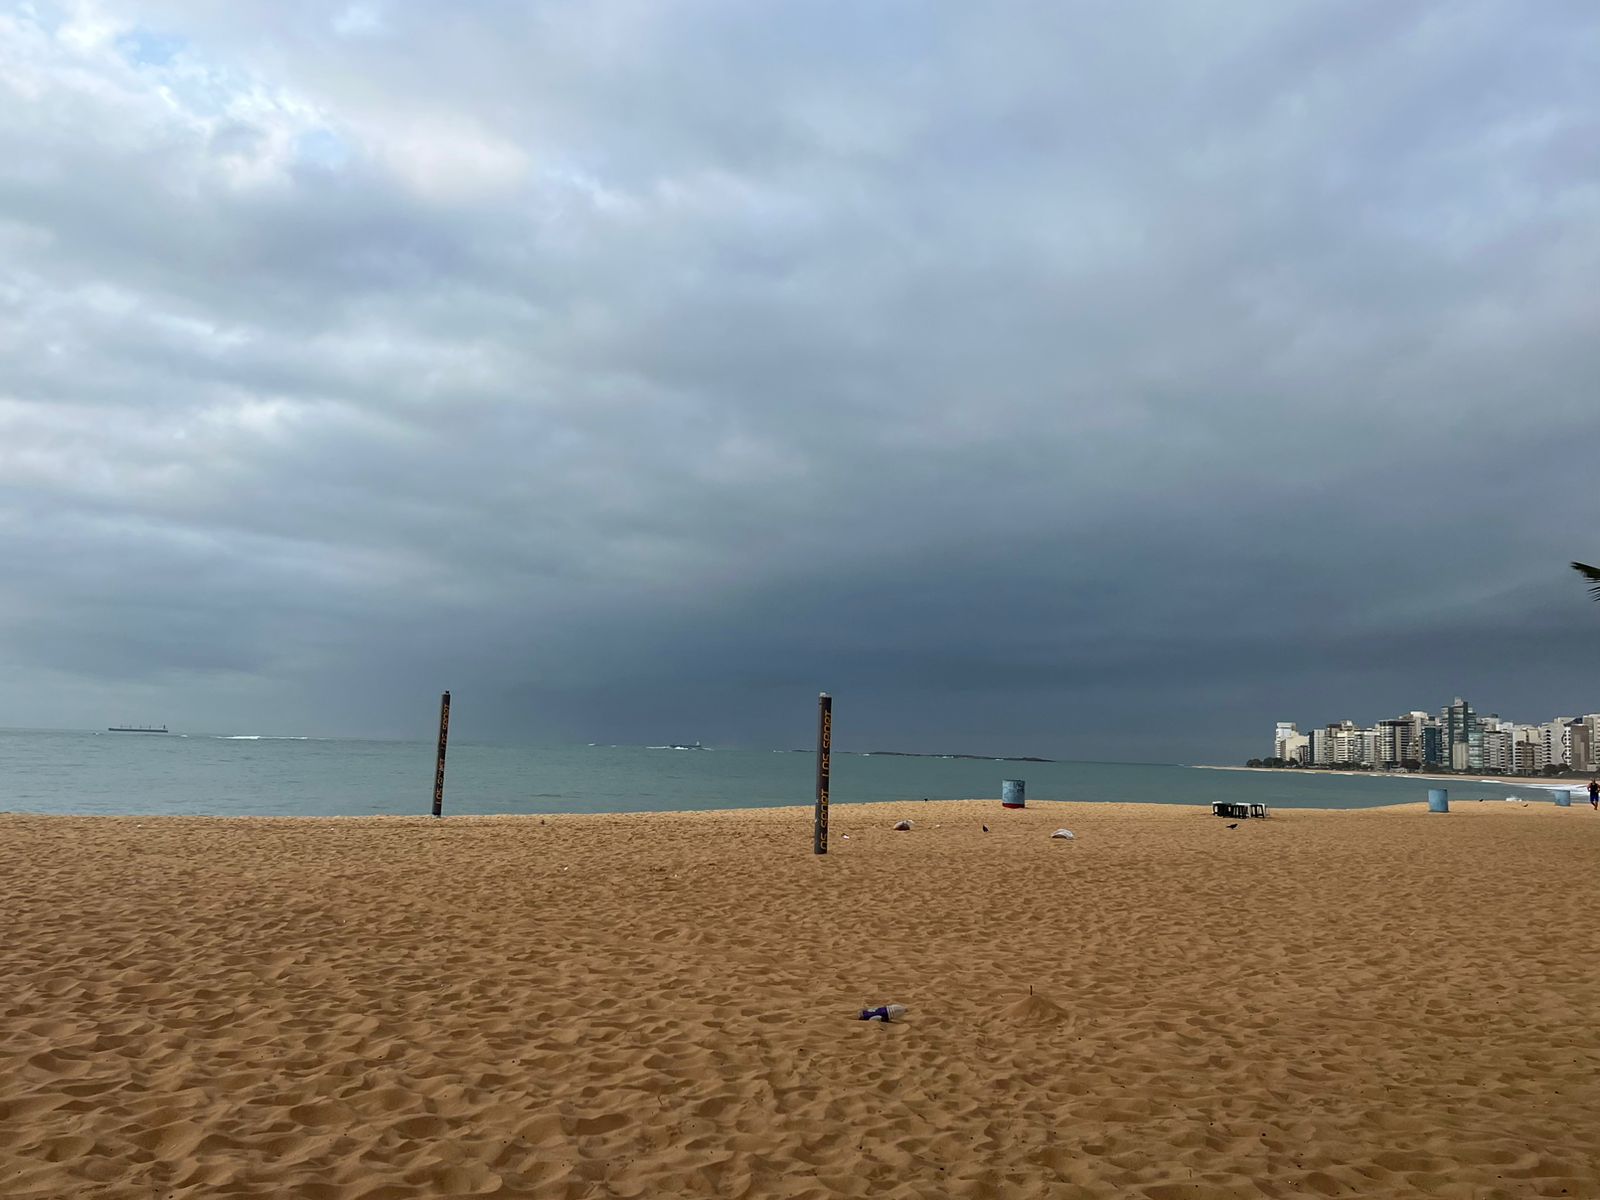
column 1091, row 381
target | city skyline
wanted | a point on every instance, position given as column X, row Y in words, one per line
column 1456, row 738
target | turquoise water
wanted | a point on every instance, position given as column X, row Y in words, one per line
column 83, row 772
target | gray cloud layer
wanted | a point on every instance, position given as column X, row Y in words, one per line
column 1099, row 384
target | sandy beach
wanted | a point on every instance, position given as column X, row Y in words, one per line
column 1371, row 1002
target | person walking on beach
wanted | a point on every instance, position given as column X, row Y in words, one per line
column 1594, row 793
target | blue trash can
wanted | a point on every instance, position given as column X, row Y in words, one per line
column 1563, row 797
column 1013, row 793
column 1439, row 800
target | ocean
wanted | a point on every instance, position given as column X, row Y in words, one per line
column 249, row 775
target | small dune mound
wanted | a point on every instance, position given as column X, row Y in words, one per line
column 1034, row 1009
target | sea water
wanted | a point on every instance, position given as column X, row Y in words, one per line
column 242, row 774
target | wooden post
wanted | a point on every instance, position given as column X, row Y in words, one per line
column 819, row 831
column 444, row 737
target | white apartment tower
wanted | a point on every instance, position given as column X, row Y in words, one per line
column 1557, row 738
column 1497, row 751
column 1281, row 736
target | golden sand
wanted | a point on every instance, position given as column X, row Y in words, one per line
column 1374, row 1003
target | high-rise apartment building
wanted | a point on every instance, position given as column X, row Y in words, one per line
column 1398, row 742
column 1527, row 750
column 1341, row 745
column 1497, row 754
column 1463, row 736
column 1579, row 738
column 1557, row 738
column 1434, row 752
column 1591, row 724
column 1281, row 735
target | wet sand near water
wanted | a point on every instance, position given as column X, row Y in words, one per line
column 1364, row 1003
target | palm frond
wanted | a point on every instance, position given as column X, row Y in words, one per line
column 1592, row 574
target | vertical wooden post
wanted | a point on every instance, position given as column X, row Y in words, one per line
column 819, row 830
column 444, row 737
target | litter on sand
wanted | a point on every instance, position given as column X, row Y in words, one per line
column 902, row 825
column 884, row 1012
column 1064, row 833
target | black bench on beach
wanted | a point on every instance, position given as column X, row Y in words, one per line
column 1237, row 812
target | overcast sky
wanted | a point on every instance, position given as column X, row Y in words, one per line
column 1102, row 381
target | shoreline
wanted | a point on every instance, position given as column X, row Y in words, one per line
column 805, row 811
column 1575, row 783
column 798, row 812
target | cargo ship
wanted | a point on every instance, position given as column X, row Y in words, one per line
column 136, row 729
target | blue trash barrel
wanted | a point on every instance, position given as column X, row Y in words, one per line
column 1013, row 793
column 1439, row 800
column 1564, row 798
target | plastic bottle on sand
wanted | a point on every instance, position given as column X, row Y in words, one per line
column 884, row 1012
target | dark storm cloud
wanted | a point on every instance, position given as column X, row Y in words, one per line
column 1107, row 385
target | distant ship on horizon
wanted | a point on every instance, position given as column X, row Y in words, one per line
column 136, row 729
